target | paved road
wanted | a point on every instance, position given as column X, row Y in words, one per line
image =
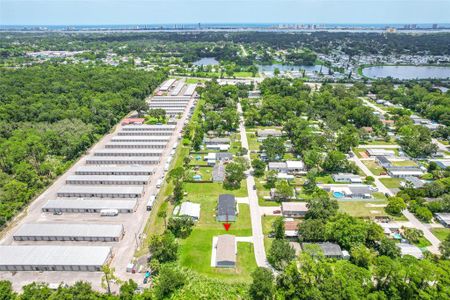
column 434, row 248
column 255, row 214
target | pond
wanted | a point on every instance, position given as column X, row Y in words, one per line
column 284, row 68
column 407, row 72
column 206, row 61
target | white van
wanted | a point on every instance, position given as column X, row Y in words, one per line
column 159, row 183
column 166, row 167
column 109, row 212
column 150, row 202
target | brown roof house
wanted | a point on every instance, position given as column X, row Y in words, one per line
column 226, row 251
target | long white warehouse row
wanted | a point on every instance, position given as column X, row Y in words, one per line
column 144, row 127
column 167, row 84
column 146, row 132
column 122, row 160
column 114, row 170
column 53, row 258
column 69, row 232
column 148, row 139
column 131, row 145
column 104, row 191
column 129, row 152
column 177, row 89
column 90, row 206
column 108, row 179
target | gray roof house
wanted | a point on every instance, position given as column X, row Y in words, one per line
column 443, row 218
column 226, row 208
column 218, row 173
column 226, row 251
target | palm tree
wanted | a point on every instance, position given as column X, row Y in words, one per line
column 163, row 214
column 108, row 275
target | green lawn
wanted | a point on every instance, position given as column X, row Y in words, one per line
column 195, row 251
column 422, row 243
column 391, row 183
column 263, row 192
column 205, row 172
column 441, row 233
column 327, row 179
column 404, row 163
column 243, row 74
column 361, row 208
column 373, row 167
column 267, row 228
column 358, row 151
column 252, row 141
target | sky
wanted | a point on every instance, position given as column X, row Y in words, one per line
column 93, row 12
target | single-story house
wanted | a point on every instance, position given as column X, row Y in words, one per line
column 265, row 133
column 216, row 141
column 226, row 251
column 129, row 121
column 210, row 158
column 254, row 94
column 380, row 152
column 294, row 209
column 408, row 249
column 277, row 166
column 218, row 147
column 403, row 172
column 218, row 173
column 273, row 193
column 284, row 176
column 226, row 208
column 443, row 218
column 414, row 181
column 224, row 156
column 442, row 163
column 330, row 250
column 383, row 161
column 347, row 178
column 291, row 228
column 190, row 209
column 350, row 191
column 289, row 167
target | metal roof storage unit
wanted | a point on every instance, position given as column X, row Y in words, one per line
column 122, row 160
column 69, row 232
column 89, row 206
column 108, row 179
column 190, row 90
column 105, row 191
column 129, row 152
column 177, row 89
column 144, row 132
column 170, row 98
column 148, row 127
column 136, row 145
column 53, row 258
column 169, row 104
column 167, row 84
column 147, row 139
column 114, row 170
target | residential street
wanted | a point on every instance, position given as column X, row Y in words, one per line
column 258, row 236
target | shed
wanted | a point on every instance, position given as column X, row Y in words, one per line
column 408, row 249
column 190, row 209
column 226, row 208
column 226, row 251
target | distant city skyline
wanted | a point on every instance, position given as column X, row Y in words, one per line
column 96, row 12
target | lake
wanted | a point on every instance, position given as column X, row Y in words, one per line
column 207, row 61
column 284, row 68
column 407, row 72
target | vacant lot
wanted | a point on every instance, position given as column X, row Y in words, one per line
column 373, row 167
column 391, row 183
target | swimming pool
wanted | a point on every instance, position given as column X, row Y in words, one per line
column 338, row 195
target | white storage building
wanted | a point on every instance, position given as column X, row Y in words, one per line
column 177, row 89
column 136, row 145
column 89, row 206
column 144, row 132
column 69, row 232
column 108, row 179
column 122, row 160
column 147, row 139
column 190, row 90
column 167, row 85
column 170, row 98
column 129, row 152
column 104, row 191
column 149, row 127
column 53, row 258
column 114, row 170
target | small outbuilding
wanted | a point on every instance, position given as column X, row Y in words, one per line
column 190, row 209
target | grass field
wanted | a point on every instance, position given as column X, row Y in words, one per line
column 252, row 141
column 404, row 163
column 195, row 251
column 391, row 183
column 422, row 243
column 441, row 233
column 362, row 208
column 267, row 228
column 373, row 167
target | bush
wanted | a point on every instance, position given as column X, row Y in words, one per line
column 180, row 227
column 424, row 214
column 395, row 206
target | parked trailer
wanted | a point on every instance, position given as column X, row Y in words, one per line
column 109, row 212
column 108, row 179
column 129, row 152
column 114, row 170
column 124, row 160
column 151, row 202
column 138, row 145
